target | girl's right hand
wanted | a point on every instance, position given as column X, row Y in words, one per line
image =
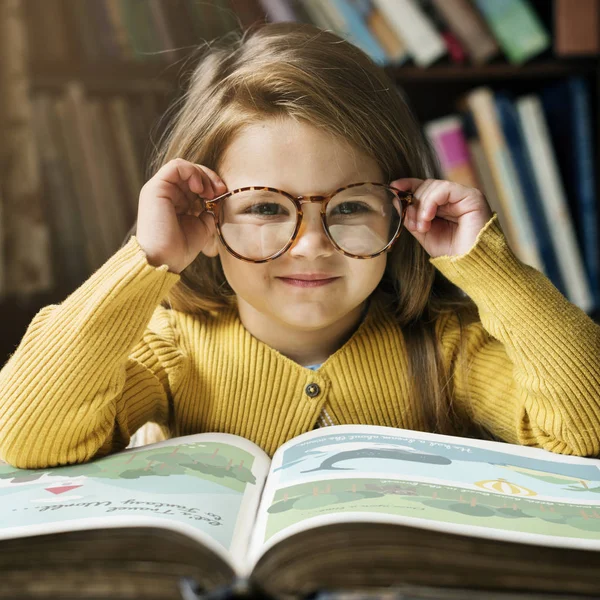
column 172, row 227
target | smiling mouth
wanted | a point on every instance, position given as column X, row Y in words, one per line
column 306, row 283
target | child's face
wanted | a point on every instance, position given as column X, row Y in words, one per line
column 301, row 160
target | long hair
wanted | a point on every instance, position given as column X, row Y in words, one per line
column 301, row 72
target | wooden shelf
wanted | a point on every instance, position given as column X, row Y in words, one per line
column 534, row 70
column 161, row 77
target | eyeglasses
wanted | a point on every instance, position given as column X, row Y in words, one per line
column 258, row 224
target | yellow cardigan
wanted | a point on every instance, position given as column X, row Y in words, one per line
column 90, row 371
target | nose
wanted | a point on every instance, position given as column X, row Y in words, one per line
column 312, row 241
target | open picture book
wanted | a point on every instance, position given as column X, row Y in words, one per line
column 345, row 507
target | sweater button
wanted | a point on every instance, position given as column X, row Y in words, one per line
column 312, row 390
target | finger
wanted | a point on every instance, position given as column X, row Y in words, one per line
column 182, row 201
column 184, row 175
column 415, row 207
column 439, row 200
column 406, row 184
column 218, row 185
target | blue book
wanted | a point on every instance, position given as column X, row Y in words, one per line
column 568, row 114
column 358, row 33
column 510, row 124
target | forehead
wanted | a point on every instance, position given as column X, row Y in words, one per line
column 294, row 156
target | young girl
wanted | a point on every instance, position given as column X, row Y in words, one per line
column 299, row 302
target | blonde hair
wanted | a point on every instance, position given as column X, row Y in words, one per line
column 291, row 70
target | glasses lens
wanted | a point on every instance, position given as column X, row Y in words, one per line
column 363, row 220
column 257, row 223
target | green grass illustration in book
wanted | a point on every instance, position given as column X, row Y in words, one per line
column 329, row 505
column 201, row 460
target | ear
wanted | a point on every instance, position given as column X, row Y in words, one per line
column 212, row 245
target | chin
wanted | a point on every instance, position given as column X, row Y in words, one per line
column 307, row 318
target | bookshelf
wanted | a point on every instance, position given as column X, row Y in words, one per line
column 165, row 81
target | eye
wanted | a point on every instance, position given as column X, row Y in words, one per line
column 267, row 209
column 351, row 208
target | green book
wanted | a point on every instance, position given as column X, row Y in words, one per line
column 517, row 28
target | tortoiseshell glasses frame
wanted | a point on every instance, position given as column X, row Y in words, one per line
column 214, row 206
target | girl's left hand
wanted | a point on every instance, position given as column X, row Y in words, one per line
column 445, row 217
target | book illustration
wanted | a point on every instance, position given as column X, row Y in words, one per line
column 377, row 452
column 497, row 504
column 427, row 460
column 132, row 483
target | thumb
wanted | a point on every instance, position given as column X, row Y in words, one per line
column 198, row 231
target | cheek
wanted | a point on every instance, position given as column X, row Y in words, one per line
column 243, row 277
column 365, row 275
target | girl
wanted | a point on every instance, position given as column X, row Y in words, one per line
column 296, row 264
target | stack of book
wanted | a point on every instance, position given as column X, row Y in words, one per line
column 533, row 158
column 390, row 31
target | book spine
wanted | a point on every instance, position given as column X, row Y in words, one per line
column 158, row 15
column 392, row 45
column 576, row 27
column 454, row 47
column 108, row 45
column 585, row 181
column 523, row 160
column 481, row 103
column 63, row 215
column 318, row 15
column 469, row 28
column 115, row 17
column 486, row 182
column 140, row 29
column 87, row 34
column 423, row 42
column 517, row 28
column 554, row 201
column 26, row 232
column 278, row 11
column 357, row 31
column 447, row 137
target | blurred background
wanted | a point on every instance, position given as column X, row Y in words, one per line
column 506, row 91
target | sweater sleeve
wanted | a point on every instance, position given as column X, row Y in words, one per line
column 530, row 370
column 91, row 370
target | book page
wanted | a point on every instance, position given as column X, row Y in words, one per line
column 473, row 487
column 207, row 486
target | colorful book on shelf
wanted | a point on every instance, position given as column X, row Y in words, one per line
column 423, row 42
column 576, row 27
column 480, row 102
column 456, row 52
column 389, row 40
column 517, row 28
column 356, row 30
column 522, row 158
column 448, row 140
column 212, row 507
column 483, row 172
column 568, row 111
column 554, row 201
column 469, row 27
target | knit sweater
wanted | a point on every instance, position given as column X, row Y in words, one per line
column 91, row 370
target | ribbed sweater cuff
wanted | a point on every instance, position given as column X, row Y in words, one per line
column 493, row 276
column 126, row 274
